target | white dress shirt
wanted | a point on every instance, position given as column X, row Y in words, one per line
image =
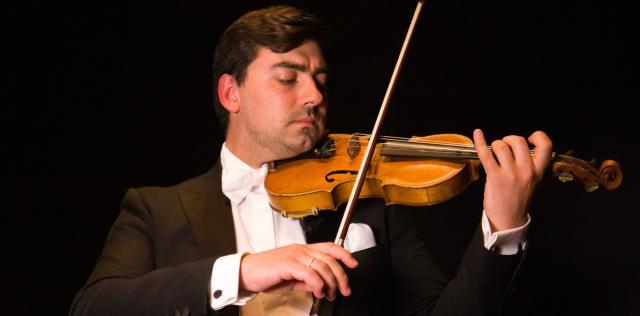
column 259, row 228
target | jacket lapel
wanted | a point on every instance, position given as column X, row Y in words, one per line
column 209, row 213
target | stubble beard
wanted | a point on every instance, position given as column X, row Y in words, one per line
column 282, row 145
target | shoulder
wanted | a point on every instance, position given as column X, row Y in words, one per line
column 148, row 196
column 204, row 184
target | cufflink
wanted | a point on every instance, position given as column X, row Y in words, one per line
column 494, row 248
column 217, row 293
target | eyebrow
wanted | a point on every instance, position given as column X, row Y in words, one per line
column 300, row 67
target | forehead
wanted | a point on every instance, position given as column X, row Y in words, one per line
column 308, row 54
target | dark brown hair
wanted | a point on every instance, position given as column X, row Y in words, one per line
column 280, row 28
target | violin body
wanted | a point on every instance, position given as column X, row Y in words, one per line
column 302, row 187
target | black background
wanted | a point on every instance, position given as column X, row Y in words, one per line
column 110, row 95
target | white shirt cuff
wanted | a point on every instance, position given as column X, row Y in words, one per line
column 506, row 242
column 225, row 276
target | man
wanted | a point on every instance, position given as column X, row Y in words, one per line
column 213, row 245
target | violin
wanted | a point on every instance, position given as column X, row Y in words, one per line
column 418, row 171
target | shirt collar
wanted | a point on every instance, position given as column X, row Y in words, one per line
column 238, row 178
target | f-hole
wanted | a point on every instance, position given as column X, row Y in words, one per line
column 328, row 178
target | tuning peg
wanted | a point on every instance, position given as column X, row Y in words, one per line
column 565, row 176
column 591, row 186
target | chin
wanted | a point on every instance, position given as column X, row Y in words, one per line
column 311, row 137
column 302, row 144
column 297, row 141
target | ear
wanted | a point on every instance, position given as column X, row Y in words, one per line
column 228, row 93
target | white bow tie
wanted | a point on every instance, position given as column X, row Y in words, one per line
column 238, row 183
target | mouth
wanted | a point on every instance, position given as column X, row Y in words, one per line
column 305, row 121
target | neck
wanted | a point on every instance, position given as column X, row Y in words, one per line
column 245, row 155
column 245, row 149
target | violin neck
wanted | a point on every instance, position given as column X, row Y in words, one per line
column 412, row 149
column 441, row 150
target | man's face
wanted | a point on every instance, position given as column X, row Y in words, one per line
column 283, row 103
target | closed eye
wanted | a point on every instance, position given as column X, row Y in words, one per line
column 287, row 82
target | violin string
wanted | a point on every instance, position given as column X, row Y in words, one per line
column 442, row 144
column 428, row 142
column 420, row 142
column 425, row 142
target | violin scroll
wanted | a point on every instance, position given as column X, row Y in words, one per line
column 568, row 168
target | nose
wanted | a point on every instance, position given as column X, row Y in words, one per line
column 313, row 93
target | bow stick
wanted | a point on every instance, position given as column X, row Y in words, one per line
column 368, row 154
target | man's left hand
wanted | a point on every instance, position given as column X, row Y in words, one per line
column 512, row 176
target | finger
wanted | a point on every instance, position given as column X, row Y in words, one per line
column 325, row 273
column 503, row 153
column 337, row 252
column 310, row 277
column 520, row 149
column 484, row 154
column 542, row 151
column 328, row 253
column 332, row 273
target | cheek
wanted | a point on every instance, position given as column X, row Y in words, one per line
column 271, row 104
column 273, row 96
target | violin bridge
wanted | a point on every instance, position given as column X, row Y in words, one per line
column 353, row 147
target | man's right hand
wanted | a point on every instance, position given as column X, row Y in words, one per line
column 311, row 268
